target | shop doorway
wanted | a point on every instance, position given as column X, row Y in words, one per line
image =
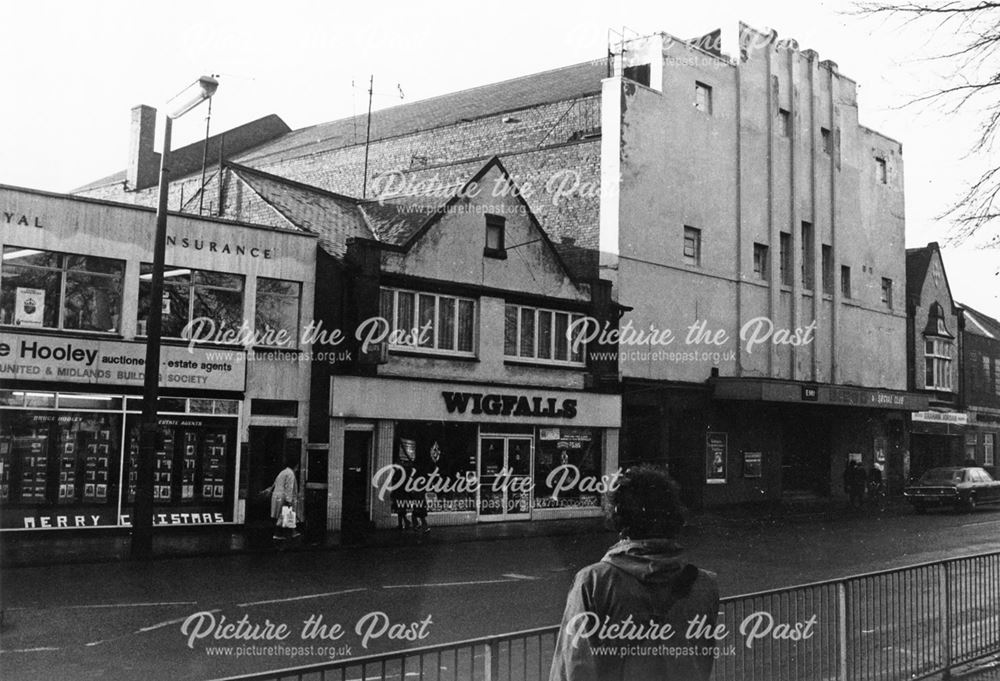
column 267, row 455
column 354, row 496
column 505, row 477
column 805, row 460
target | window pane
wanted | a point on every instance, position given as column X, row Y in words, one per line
column 223, row 307
column 576, row 355
column 527, row 341
column 21, row 305
column 219, row 279
column 13, row 255
column 510, row 331
column 385, row 304
column 279, row 286
column 89, row 263
column 404, row 311
column 466, row 309
column 929, row 372
column 426, row 321
column 275, row 313
column 545, row 335
column 562, row 325
column 93, row 302
column 446, row 323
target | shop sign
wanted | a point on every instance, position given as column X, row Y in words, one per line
column 413, row 400
column 953, row 417
column 118, row 363
column 29, row 307
column 508, row 405
column 716, row 451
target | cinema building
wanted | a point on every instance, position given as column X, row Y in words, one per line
column 74, row 299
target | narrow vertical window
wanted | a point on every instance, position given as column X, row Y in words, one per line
column 827, row 265
column 827, row 140
column 881, row 170
column 845, row 281
column 692, row 246
column 887, row 291
column 808, row 264
column 495, row 228
column 784, row 122
column 785, row 258
column 703, row 97
column 760, row 261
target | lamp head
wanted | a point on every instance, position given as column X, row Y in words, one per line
column 192, row 96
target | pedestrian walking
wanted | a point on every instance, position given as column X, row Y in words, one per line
column 854, row 483
column 401, row 507
column 622, row 605
column 283, row 495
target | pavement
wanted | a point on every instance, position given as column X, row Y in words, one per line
column 52, row 547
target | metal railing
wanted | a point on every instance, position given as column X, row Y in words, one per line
column 905, row 623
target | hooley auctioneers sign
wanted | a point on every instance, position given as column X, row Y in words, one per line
column 30, row 357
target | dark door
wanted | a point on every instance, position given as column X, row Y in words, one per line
column 357, row 449
column 267, row 453
column 805, row 464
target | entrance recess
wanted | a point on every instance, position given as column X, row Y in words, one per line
column 505, row 477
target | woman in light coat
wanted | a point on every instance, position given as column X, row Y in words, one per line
column 283, row 493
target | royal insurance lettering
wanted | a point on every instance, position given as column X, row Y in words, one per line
column 220, row 247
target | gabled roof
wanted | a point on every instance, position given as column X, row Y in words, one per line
column 333, row 217
column 407, row 218
column 980, row 324
column 568, row 82
column 918, row 261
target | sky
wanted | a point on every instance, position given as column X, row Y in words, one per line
column 70, row 72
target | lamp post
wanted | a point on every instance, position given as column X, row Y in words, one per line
column 142, row 512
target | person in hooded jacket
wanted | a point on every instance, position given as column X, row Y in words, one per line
column 641, row 583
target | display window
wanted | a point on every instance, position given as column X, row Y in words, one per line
column 193, row 469
column 439, row 455
column 59, row 468
column 192, row 294
column 68, row 460
column 568, row 462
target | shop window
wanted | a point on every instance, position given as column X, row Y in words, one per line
column 541, row 335
column 276, row 311
column 970, row 447
column 760, row 261
column 59, row 468
column 44, row 289
column 213, row 298
column 692, row 246
column 430, row 322
column 785, row 258
column 937, row 363
column 194, row 469
column 564, row 457
column 428, row 452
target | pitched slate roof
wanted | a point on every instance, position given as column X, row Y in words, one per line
column 917, row 262
column 333, row 217
column 980, row 324
column 559, row 84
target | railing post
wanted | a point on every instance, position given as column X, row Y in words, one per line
column 946, row 617
column 488, row 658
column 842, row 631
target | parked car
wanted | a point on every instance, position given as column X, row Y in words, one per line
column 957, row 486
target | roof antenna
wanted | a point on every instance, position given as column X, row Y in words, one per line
column 368, row 135
column 204, row 157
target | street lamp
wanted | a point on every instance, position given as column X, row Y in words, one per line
column 142, row 512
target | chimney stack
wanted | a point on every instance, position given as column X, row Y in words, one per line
column 143, row 162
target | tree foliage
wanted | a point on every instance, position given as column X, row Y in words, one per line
column 975, row 86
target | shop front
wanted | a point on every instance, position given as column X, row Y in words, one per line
column 69, row 435
column 468, row 453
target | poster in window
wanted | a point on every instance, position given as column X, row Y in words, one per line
column 753, row 464
column 29, row 307
column 716, row 449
